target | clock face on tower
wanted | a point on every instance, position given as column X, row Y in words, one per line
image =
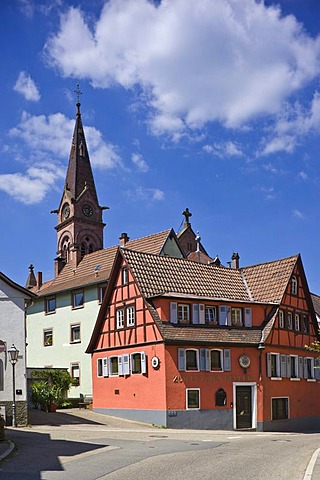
column 87, row 210
column 66, row 211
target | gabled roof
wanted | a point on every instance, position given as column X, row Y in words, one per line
column 316, row 303
column 95, row 267
column 16, row 286
column 268, row 281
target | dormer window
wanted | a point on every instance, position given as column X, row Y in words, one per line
column 294, row 286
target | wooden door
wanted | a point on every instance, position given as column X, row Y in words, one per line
column 243, row 407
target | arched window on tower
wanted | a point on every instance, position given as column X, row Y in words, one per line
column 83, row 249
column 90, row 248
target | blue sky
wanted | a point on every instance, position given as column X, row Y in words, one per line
column 212, row 105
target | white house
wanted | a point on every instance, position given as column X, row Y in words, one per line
column 13, row 302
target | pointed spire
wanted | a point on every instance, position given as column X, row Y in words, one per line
column 31, row 280
column 79, row 173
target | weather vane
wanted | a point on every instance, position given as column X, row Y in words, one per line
column 78, row 92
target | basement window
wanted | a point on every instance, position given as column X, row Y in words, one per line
column 280, row 408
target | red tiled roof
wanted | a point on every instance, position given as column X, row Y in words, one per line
column 95, row 267
column 316, row 303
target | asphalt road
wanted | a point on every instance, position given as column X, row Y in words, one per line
column 84, row 448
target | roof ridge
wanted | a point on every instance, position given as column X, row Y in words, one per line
column 271, row 261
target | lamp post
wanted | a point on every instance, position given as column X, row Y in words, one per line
column 13, row 358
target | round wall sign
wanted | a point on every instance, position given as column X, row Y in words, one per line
column 244, row 361
column 155, row 362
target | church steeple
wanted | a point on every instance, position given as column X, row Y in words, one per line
column 80, row 225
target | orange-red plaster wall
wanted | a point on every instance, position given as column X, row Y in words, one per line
column 208, row 382
column 138, row 391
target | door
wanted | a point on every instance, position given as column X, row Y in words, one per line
column 243, row 407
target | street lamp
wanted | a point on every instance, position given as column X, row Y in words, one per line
column 13, row 358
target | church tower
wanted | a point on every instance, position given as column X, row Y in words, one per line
column 80, row 226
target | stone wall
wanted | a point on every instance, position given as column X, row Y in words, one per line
column 21, row 413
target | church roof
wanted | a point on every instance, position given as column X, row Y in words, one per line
column 95, row 267
column 79, row 173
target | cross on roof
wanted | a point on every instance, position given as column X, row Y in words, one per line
column 78, row 93
column 187, row 215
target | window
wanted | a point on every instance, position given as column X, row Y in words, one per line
column 193, row 398
column 216, row 362
column 138, row 363
column 280, row 408
column 192, row 360
column 294, row 286
column 75, row 373
column 99, row 367
column 273, row 365
column 120, row 318
column 77, row 299
column 289, row 320
column 294, row 372
column 236, row 316
column 309, row 368
column 130, row 316
column 305, row 324
column 211, row 314
column 101, row 292
column 281, row 319
column 47, row 337
column 183, row 313
column 297, row 322
column 125, row 276
column 221, row 398
column 75, row 334
column 50, row 305
column 113, row 366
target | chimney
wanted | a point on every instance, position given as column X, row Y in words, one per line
column 235, row 260
column 39, row 280
column 124, row 239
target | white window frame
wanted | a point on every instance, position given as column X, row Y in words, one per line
column 277, row 366
column 111, row 364
column 212, row 314
column 99, row 367
column 294, row 285
column 281, row 319
column 101, row 292
column 288, row 408
column 125, row 276
column 76, row 366
column 236, row 316
column 221, row 360
column 295, row 360
column 289, row 321
column 305, row 323
column 131, row 315
column 75, row 304
column 297, row 322
column 143, row 363
column 119, row 318
column 183, row 313
column 73, row 326
column 187, row 398
column 310, row 360
column 197, row 360
column 45, row 332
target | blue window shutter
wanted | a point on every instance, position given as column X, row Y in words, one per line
column 300, row 362
column 202, row 359
column 143, row 362
column 181, row 359
column 223, row 315
column 208, row 360
column 305, row 367
column 125, row 364
column 283, row 365
column 105, row 369
column 120, row 365
column 288, row 366
column 173, row 312
column 195, row 313
column 269, row 364
column 227, row 360
column 202, row 318
column 317, row 368
column 248, row 317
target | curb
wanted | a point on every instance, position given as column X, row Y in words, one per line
column 11, row 446
column 310, row 467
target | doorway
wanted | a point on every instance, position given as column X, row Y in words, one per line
column 244, row 395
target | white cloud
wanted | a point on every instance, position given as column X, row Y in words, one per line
column 52, row 134
column 45, row 143
column 292, row 125
column 195, row 62
column 31, row 187
column 268, row 192
column 27, row 87
column 298, row 214
column 139, row 162
column 222, row 150
column 303, row 175
column 154, row 194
